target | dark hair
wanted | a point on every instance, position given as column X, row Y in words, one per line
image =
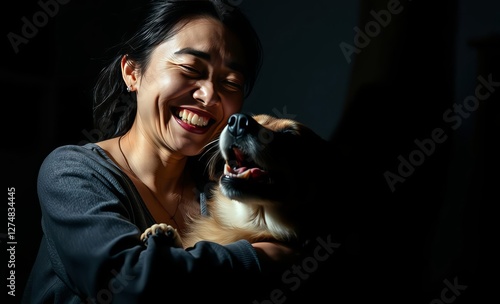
column 114, row 108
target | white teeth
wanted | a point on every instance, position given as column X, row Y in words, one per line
column 244, row 175
column 193, row 118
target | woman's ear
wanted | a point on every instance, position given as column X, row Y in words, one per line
column 129, row 73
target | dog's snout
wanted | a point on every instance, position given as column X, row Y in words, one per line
column 239, row 124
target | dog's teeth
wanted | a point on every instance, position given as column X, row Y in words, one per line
column 236, row 172
column 227, row 170
column 245, row 175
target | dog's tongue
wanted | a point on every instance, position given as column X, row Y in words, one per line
column 253, row 172
column 241, row 171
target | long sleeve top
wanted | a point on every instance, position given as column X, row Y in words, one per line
column 90, row 251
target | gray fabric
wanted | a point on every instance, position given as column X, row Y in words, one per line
column 92, row 217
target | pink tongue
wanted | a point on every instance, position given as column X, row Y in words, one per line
column 240, row 169
column 254, row 172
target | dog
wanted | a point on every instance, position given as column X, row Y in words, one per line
column 272, row 169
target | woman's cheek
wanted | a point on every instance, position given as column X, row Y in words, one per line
column 233, row 106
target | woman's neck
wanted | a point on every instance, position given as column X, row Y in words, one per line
column 161, row 179
column 162, row 171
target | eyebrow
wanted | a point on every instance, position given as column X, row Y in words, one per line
column 193, row 52
column 203, row 55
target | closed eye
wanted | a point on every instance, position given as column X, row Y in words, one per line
column 232, row 86
column 190, row 71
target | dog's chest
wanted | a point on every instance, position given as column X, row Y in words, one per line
column 233, row 213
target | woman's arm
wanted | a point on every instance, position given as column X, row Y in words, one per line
column 92, row 227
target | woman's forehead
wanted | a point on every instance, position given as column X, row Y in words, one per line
column 207, row 35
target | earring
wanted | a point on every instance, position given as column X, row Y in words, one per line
column 129, row 88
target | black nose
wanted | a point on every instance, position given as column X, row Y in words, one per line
column 239, row 124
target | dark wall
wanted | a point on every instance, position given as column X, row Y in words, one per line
column 305, row 74
column 402, row 237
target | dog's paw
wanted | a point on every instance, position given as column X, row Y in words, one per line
column 163, row 230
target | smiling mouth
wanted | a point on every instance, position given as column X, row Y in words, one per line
column 193, row 120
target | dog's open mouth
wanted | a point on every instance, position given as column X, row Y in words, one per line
column 242, row 166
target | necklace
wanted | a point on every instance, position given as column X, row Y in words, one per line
column 171, row 216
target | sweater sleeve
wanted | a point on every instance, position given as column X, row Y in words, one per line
column 92, row 227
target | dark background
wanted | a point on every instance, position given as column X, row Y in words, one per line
column 397, row 245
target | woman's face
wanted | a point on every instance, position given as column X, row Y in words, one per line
column 193, row 83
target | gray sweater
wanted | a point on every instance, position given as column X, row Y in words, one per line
column 90, row 252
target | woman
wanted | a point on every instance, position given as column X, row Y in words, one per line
column 182, row 74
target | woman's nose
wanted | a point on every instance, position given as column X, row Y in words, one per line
column 206, row 93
